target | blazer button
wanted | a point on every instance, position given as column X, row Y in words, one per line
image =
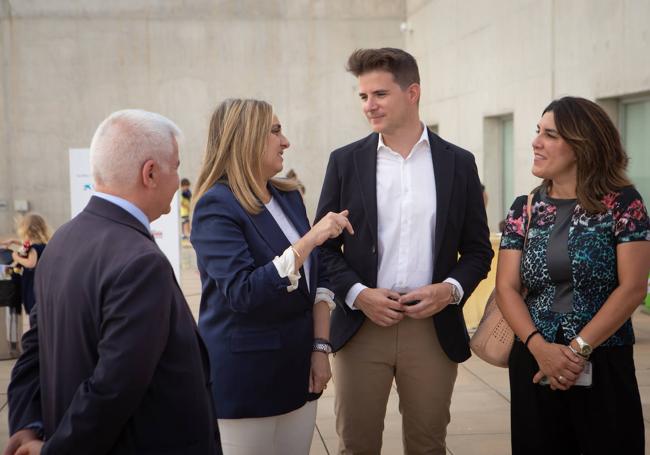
column 374, row 250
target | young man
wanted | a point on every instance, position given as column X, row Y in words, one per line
column 421, row 246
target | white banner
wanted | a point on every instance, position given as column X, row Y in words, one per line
column 166, row 229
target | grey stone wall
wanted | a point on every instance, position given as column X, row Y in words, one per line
column 66, row 64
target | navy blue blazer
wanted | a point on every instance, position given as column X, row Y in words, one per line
column 462, row 248
column 115, row 364
column 259, row 335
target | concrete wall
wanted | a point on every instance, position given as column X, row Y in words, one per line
column 5, row 176
column 66, row 64
column 482, row 59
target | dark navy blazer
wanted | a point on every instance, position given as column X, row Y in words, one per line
column 115, row 364
column 259, row 335
column 462, row 248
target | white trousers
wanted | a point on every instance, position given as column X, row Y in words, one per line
column 285, row 434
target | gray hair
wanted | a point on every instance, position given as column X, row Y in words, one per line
column 125, row 140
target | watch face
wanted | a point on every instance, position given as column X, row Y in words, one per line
column 585, row 348
column 322, row 347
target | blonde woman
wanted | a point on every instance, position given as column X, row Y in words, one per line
column 33, row 233
column 265, row 302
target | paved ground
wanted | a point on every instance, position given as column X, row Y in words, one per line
column 480, row 421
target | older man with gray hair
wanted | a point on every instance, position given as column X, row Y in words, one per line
column 114, row 363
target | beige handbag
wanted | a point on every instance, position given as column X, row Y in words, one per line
column 493, row 338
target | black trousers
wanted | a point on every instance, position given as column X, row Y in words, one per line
column 605, row 418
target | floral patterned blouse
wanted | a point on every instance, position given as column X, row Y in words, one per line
column 592, row 252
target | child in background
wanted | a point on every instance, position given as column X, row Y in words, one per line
column 34, row 235
column 186, row 198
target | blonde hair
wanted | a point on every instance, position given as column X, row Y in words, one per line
column 33, row 227
column 237, row 138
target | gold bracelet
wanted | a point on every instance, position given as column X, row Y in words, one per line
column 295, row 251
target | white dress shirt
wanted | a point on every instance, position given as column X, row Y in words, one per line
column 406, row 219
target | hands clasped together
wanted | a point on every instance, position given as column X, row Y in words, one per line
column 385, row 307
column 557, row 362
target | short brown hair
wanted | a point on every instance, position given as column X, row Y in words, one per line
column 600, row 157
column 397, row 62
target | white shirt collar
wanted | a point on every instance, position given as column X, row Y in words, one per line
column 423, row 137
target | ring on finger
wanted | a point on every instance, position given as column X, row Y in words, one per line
column 560, row 378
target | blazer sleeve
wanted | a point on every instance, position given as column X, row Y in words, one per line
column 323, row 277
column 24, row 391
column 224, row 253
column 342, row 276
column 475, row 250
column 133, row 335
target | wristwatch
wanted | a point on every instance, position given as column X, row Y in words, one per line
column 584, row 348
column 321, row 345
column 455, row 294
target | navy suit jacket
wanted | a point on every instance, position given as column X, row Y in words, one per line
column 115, row 364
column 462, row 245
column 258, row 334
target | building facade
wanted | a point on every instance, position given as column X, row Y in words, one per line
column 488, row 69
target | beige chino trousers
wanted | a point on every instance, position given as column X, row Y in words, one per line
column 364, row 369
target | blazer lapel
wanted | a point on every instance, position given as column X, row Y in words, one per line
column 365, row 163
column 270, row 231
column 293, row 213
column 443, row 170
column 290, row 211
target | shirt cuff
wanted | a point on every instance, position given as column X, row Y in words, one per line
column 458, row 286
column 325, row 295
column 37, row 427
column 352, row 294
column 285, row 265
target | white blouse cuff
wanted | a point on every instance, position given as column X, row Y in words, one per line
column 325, row 295
column 286, row 265
column 461, row 292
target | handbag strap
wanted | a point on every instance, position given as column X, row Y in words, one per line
column 529, row 211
